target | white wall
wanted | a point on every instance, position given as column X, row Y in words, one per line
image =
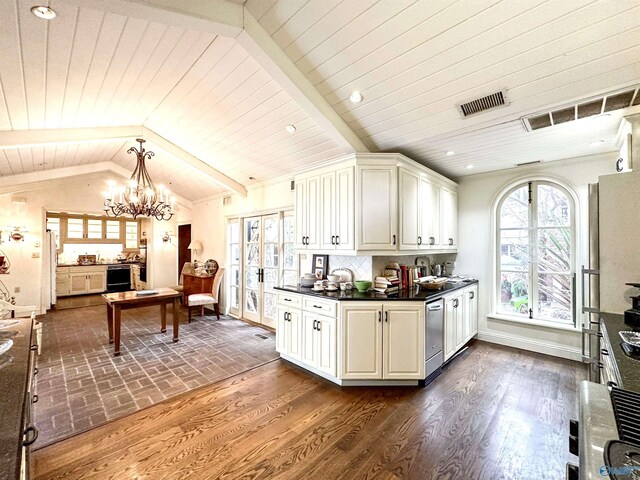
column 68, row 195
column 477, row 194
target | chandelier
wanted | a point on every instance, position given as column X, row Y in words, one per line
column 139, row 197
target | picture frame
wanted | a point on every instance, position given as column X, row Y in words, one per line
column 320, row 265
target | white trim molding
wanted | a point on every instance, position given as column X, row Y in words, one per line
column 533, row 345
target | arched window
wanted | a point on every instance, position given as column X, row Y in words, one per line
column 536, row 253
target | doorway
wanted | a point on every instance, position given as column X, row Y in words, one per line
column 184, row 239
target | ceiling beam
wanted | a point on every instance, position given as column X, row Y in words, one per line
column 218, row 17
column 276, row 63
column 35, row 138
column 178, row 153
column 26, row 182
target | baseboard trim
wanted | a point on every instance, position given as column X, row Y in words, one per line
column 537, row 346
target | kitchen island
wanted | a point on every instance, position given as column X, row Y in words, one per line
column 355, row 338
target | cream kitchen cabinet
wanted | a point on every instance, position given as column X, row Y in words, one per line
column 419, row 214
column 319, row 342
column 449, row 219
column 337, row 210
column 288, row 328
column 383, row 341
column 307, row 217
column 460, row 319
column 377, row 207
column 80, row 280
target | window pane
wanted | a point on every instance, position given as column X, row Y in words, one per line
column 554, row 250
column 235, row 232
column 235, row 254
column 234, row 297
column 94, row 228
column 514, row 293
column 288, row 229
column 234, row 279
column 75, row 228
column 253, row 254
column 252, row 301
column 270, row 305
column 515, row 209
column 113, row 229
column 289, row 278
column 252, row 227
column 251, row 278
column 270, row 255
column 514, row 250
column 554, row 297
column 271, row 230
column 53, row 224
column 553, row 207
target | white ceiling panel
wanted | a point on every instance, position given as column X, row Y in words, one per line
column 414, row 60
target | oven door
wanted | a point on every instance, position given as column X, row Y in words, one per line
column 118, row 278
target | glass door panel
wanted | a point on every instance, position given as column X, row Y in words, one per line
column 252, row 263
column 233, row 229
column 271, row 266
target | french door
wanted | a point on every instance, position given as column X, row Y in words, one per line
column 261, row 268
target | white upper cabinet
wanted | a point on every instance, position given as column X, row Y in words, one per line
column 307, row 213
column 378, row 212
column 449, row 219
column 380, row 203
column 337, row 210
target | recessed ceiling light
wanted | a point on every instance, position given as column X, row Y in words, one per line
column 469, row 167
column 450, row 152
column 43, row 12
column 597, row 143
column 290, row 128
column 355, row 97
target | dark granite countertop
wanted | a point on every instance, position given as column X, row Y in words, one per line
column 627, row 368
column 403, row 295
column 14, row 376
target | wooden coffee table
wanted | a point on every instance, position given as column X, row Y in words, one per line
column 125, row 300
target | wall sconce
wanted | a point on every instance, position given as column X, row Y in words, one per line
column 166, row 236
column 17, row 234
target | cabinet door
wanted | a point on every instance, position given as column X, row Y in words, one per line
column 377, row 208
column 362, row 341
column 283, row 332
column 435, row 235
column 449, row 219
column 403, row 336
column 97, row 282
column 472, row 311
column 449, row 327
column 309, row 345
column 75, row 228
column 458, row 305
column 313, row 212
column 78, row 283
column 409, row 185
column 63, row 286
column 425, row 214
column 326, row 345
column 295, row 334
column 344, row 208
column 327, row 211
column 300, row 213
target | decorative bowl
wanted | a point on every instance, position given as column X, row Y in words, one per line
column 362, row 285
column 334, row 278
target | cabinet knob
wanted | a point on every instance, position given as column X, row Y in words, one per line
column 472, row 295
column 419, row 240
column 432, row 240
column 451, row 241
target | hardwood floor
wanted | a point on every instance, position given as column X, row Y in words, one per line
column 496, row 412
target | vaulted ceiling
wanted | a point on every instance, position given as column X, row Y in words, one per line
column 212, row 85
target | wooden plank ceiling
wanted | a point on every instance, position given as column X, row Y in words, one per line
column 412, row 61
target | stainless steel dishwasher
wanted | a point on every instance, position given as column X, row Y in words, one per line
column 434, row 357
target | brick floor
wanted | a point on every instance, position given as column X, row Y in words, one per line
column 81, row 384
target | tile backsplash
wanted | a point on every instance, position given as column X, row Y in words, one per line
column 361, row 266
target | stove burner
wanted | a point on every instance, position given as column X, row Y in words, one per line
column 626, row 410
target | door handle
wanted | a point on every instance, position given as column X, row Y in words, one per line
column 419, row 240
column 314, row 324
column 394, row 239
column 318, row 327
column 379, row 316
column 337, row 239
column 386, row 317
column 333, row 239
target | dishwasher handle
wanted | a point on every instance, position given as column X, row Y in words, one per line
column 435, row 306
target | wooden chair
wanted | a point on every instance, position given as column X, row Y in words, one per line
column 202, row 299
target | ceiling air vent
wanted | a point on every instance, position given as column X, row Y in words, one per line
column 478, row 105
column 589, row 107
column 226, row 200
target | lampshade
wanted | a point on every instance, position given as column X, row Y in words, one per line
column 195, row 245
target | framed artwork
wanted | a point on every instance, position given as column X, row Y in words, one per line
column 320, row 265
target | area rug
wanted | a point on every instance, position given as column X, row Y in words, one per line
column 81, row 385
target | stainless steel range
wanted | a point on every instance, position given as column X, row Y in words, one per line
column 606, row 437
